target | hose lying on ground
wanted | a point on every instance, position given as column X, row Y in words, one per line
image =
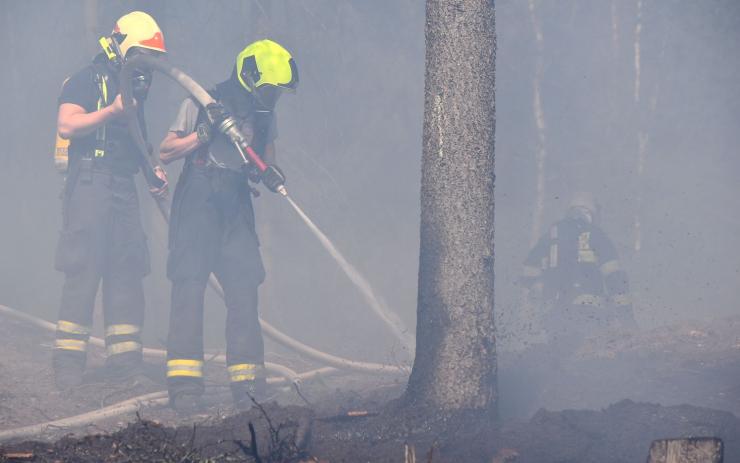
column 127, row 406
column 131, row 405
column 204, row 99
column 281, row 370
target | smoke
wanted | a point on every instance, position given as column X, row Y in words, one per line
column 657, row 144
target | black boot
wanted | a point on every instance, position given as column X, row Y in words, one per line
column 245, row 393
column 187, row 403
column 186, row 395
column 123, row 367
column 68, row 369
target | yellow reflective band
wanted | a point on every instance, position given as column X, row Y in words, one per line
column 585, row 253
column 185, row 367
column 531, row 272
column 553, row 255
column 102, row 101
column 622, row 299
column 609, row 267
column 243, row 372
column 72, row 328
column 588, row 299
column 587, row 256
column 120, row 330
column 123, row 347
column 184, row 362
column 189, row 373
column 70, row 344
column 104, row 85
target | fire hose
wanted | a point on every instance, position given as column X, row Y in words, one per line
column 153, row 399
column 278, row 369
column 286, row 375
column 229, row 128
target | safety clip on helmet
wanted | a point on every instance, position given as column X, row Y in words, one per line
column 265, row 69
column 135, row 31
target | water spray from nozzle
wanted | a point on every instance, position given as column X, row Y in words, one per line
column 391, row 320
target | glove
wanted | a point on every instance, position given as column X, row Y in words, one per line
column 217, row 113
column 253, row 173
column 273, row 178
column 204, row 131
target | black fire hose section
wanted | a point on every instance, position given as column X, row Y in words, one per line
column 148, row 164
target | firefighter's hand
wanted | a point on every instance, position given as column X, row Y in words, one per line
column 253, row 173
column 204, row 132
column 117, row 108
column 273, row 178
column 160, row 193
column 217, row 113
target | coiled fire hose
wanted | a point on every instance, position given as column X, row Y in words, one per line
column 204, row 99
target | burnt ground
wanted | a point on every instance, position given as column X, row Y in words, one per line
column 693, row 363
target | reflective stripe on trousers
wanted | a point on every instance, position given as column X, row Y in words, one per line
column 244, row 372
column 184, row 368
column 71, row 336
column 122, row 338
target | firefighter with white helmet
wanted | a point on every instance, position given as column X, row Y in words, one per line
column 102, row 241
column 576, row 269
column 212, row 228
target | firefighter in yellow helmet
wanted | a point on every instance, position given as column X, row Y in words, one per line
column 102, row 240
column 212, row 227
column 575, row 271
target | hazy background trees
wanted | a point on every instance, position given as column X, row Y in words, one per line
column 350, row 143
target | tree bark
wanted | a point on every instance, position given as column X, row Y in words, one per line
column 455, row 364
column 689, row 450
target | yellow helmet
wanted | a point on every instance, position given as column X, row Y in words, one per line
column 138, row 29
column 265, row 62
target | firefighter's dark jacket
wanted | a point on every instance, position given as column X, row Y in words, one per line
column 84, row 89
column 576, row 259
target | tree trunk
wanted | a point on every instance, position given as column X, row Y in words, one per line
column 455, row 364
column 689, row 450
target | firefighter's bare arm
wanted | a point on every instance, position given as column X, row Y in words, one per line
column 73, row 121
column 176, row 146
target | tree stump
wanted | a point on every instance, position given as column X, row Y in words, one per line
column 690, row 450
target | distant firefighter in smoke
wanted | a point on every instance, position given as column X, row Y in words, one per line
column 574, row 273
column 212, row 228
column 102, row 237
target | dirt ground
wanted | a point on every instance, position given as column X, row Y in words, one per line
column 552, row 409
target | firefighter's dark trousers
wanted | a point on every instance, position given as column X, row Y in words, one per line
column 102, row 240
column 212, row 231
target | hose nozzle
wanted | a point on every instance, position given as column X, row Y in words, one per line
column 272, row 176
